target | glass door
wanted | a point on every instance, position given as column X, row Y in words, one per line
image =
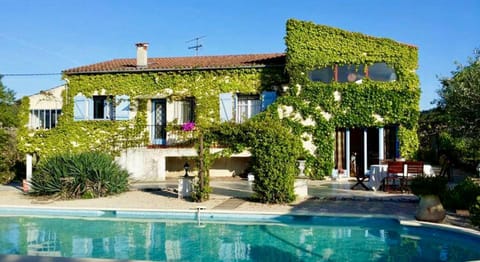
column 159, row 114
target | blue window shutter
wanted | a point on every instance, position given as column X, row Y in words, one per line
column 268, row 97
column 122, row 108
column 80, row 108
column 226, row 107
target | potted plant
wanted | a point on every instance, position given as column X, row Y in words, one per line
column 429, row 189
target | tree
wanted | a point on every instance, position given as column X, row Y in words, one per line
column 8, row 122
column 8, row 117
column 460, row 98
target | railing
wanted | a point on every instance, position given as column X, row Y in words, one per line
column 152, row 136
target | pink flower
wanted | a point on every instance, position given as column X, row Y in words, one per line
column 188, row 126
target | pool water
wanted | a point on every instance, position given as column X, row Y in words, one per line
column 289, row 239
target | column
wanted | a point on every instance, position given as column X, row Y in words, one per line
column 381, row 145
column 29, row 167
column 365, row 151
column 347, row 150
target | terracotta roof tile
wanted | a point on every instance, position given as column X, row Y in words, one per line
column 182, row 63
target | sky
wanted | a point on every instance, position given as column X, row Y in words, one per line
column 48, row 36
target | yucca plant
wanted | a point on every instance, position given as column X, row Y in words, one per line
column 84, row 175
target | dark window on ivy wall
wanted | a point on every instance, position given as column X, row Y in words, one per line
column 324, row 75
column 353, row 73
column 381, row 72
column 350, row 73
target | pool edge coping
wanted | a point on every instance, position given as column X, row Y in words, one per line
column 193, row 210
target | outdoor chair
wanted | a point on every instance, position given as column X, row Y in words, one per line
column 395, row 173
column 414, row 168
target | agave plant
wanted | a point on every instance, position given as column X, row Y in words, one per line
column 84, row 175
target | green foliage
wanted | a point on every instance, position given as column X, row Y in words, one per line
column 8, row 155
column 462, row 196
column 8, row 123
column 8, row 117
column 109, row 136
column 85, row 175
column 275, row 151
column 460, row 97
column 429, row 185
column 311, row 46
column 475, row 213
column 274, row 148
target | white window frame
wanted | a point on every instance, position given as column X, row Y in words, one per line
column 246, row 107
column 38, row 118
column 184, row 110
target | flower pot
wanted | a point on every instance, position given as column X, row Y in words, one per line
column 430, row 209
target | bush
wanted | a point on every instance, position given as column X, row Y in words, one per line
column 274, row 158
column 475, row 213
column 429, row 185
column 8, row 155
column 462, row 196
column 85, row 175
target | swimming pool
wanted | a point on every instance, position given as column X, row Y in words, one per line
column 177, row 236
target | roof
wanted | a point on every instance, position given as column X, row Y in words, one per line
column 182, row 63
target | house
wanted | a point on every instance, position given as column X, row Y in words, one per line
column 346, row 94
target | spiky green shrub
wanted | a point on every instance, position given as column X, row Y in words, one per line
column 84, row 175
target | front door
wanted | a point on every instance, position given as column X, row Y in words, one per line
column 159, row 114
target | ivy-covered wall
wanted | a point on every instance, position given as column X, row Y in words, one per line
column 104, row 135
column 348, row 105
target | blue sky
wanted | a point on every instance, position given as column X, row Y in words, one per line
column 49, row 36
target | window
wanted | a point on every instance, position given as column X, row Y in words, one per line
column 350, row 73
column 184, row 110
column 353, row 73
column 381, row 72
column 324, row 75
column 44, row 118
column 240, row 107
column 247, row 107
column 101, row 108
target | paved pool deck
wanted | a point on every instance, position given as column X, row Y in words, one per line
column 232, row 195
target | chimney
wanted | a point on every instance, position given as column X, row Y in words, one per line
column 142, row 55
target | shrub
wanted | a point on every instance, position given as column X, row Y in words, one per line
column 8, row 155
column 462, row 196
column 475, row 213
column 274, row 153
column 84, row 175
column 429, row 185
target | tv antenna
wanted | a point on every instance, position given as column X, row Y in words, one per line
column 197, row 44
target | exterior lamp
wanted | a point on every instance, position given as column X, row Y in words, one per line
column 186, row 167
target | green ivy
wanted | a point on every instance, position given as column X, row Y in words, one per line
column 110, row 136
column 311, row 46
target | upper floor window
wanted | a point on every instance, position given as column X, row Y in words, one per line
column 184, row 110
column 101, row 108
column 240, row 107
column 325, row 75
column 44, row 118
column 247, row 107
column 353, row 73
column 381, row 72
column 350, row 73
